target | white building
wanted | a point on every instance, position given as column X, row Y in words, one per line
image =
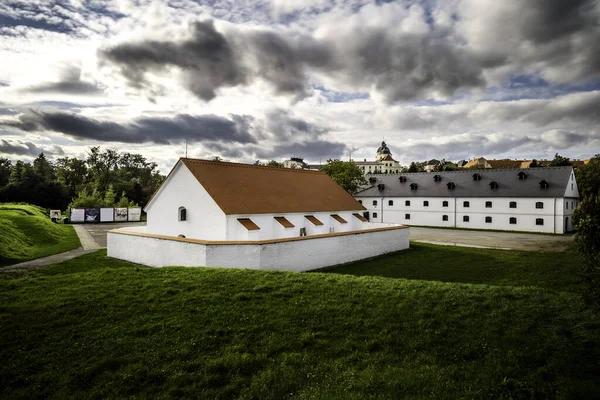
column 295, row 163
column 384, row 163
column 532, row 199
column 266, row 217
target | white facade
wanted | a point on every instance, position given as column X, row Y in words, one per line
column 297, row 254
column 450, row 212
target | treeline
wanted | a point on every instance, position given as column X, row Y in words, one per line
column 106, row 178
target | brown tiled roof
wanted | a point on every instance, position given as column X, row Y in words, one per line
column 387, row 158
column 248, row 224
column 505, row 163
column 252, row 189
column 284, row 222
column 360, row 217
column 315, row 221
column 339, row 219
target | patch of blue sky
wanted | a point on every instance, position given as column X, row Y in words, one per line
column 521, row 87
column 342, row 97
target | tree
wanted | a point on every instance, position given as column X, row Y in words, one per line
column 345, row 173
column 560, row 161
column 534, row 164
column 413, row 167
column 5, row 170
column 274, row 163
column 586, row 219
column 217, row 158
column 43, row 168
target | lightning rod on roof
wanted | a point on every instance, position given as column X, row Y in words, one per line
column 185, row 148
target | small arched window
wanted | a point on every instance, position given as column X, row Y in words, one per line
column 494, row 185
column 539, row 221
column 182, row 214
column 444, row 203
column 413, row 186
column 444, row 218
column 539, row 204
column 476, row 177
column 465, row 218
column 466, row 204
column 437, row 178
column 426, row 203
column 360, row 201
column 513, row 204
column 390, row 202
column 407, row 203
column 374, row 202
column 402, row 179
column 522, row 175
column 488, row 220
column 513, row 221
column 406, row 216
column 544, row 184
column 451, row 185
column 488, row 204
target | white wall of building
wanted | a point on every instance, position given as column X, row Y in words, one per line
column 555, row 215
column 291, row 255
column 271, row 229
column 205, row 220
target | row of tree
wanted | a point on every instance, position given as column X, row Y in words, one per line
column 105, row 178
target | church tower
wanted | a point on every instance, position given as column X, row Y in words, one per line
column 383, row 152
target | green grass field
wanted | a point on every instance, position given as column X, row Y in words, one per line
column 557, row 271
column 26, row 232
column 99, row 328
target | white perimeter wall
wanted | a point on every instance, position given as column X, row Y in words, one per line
column 555, row 214
column 294, row 255
column 205, row 220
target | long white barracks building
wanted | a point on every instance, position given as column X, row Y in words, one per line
column 532, row 199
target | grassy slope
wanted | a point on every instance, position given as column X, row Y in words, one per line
column 26, row 232
column 558, row 271
column 95, row 328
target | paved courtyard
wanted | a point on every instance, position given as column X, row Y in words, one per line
column 502, row 240
column 98, row 231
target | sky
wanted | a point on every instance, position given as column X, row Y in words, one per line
column 251, row 80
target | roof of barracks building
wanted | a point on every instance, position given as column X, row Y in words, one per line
column 530, row 182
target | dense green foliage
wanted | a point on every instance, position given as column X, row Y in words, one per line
column 345, row 173
column 587, row 220
column 26, row 232
column 550, row 270
column 55, row 185
column 560, row 161
column 99, row 328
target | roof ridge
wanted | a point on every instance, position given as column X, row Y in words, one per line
column 243, row 165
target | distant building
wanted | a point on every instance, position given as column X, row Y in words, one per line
column 431, row 165
column 477, row 162
column 384, row 163
column 296, row 163
column 532, row 199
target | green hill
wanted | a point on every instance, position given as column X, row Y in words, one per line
column 94, row 327
column 26, row 232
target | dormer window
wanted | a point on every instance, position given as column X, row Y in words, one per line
column 182, row 214
column 372, row 179
column 494, row 185
column 381, row 186
column 476, row 177
column 544, row 184
column 402, row 179
column 522, row 175
column 414, row 186
column 451, row 185
column 437, row 178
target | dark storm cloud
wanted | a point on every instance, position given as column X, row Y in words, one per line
column 64, row 87
column 21, row 148
column 207, row 58
column 281, row 123
column 553, row 19
column 141, row 130
column 401, row 67
column 317, row 149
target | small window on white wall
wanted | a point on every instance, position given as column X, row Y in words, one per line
column 182, row 214
column 374, row 215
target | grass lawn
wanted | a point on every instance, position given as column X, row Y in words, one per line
column 99, row 328
column 557, row 271
column 26, row 232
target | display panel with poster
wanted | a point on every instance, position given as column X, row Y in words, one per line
column 107, row 215
column 77, row 214
column 120, row 215
column 135, row 214
column 92, row 215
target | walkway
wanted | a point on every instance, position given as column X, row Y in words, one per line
column 489, row 239
column 88, row 245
